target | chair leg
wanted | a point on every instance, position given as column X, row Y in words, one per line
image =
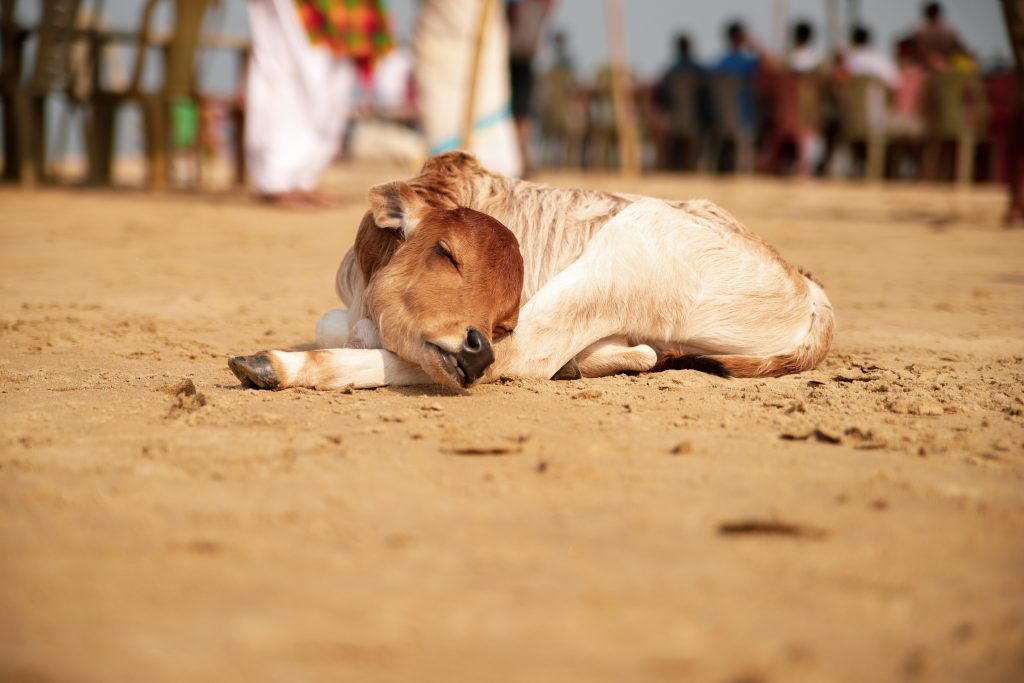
column 965, row 160
column 12, row 160
column 931, row 159
column 101, row 122
column 875, row 158
column 155, row 126
column 744, row 154
column 238, row 131
column 26, row 111
column 39, row 146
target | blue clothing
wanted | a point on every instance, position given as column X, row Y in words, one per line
column 745, row 65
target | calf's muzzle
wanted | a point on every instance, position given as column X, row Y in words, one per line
column 475, row 356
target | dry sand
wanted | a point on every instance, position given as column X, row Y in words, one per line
column 862, row 522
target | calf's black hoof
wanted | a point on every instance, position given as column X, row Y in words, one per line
column 254, row 371
column 568, row 371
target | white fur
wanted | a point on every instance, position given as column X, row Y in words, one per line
column 332, row 330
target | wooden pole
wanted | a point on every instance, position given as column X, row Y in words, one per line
column 622, row 89
column 474, row 74
column 835, row 39
column 780, row 13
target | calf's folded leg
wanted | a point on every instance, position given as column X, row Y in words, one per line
column 612, row 356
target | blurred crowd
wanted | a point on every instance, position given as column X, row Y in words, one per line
column 859, row 110
column 323, row 78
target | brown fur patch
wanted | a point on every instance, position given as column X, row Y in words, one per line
column 419, row 293
column 375, row 246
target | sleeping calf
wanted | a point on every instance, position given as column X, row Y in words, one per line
column 579, row 283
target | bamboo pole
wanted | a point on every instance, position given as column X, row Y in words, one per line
column 474, row 74
column 835, row 39
column 780, row 14
column 622, row 100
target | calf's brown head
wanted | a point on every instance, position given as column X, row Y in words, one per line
column 442, row 293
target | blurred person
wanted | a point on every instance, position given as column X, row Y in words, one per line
column 562, row 58
column 683, row 61
column 937, row 41
column 907, row 117
column 561, row 107
column 386, row 131
column 746, row 59
column 525, row 20
column 681, row 95
column 394, row 86
column 861, row 59
column 443, row 40
column 806, row 61
column 305, row 55
column 803, row 56
column 1013, row 12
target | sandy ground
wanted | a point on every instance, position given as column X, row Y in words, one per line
column 862, row 522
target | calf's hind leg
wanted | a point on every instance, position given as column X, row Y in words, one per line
column 612, row 356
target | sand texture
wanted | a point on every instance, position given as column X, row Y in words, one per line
column 861, row 522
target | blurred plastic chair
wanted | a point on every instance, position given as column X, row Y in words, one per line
column 649, row 125
column 684, row 94
column 796, row 119
column 602, row 130
column 25, row 101
column 562, row 110
column 955, row 112
column 729, row 124
column 156, row 105
column 862, row 119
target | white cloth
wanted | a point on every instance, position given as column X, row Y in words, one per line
column 298, row 99
column 863, row 61
column 391, row 78
column 804, row 59
column 443, row 42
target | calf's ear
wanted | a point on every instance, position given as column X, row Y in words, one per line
column 396, row 205
column 374, row 246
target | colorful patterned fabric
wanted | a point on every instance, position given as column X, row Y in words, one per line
column 358, row 29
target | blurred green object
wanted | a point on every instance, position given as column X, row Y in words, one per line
column 184, row 122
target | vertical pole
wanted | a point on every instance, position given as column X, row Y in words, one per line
column 835, row 39
column 854, row 12
column 780, row 13
column 622, row 92
column 474, row 74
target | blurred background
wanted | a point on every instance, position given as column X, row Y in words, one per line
column 845, row 88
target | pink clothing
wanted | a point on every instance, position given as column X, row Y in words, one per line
column 910, row 92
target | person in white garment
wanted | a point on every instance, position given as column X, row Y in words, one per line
column 862, row 59
column 300, row 88
column 444, row 41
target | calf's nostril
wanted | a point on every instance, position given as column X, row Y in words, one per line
column 474, row 341
column 474, row 357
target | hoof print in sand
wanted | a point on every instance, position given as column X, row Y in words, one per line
column 187, row 399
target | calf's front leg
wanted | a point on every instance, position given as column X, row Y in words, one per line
column 327, row 369
column 567, row 316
